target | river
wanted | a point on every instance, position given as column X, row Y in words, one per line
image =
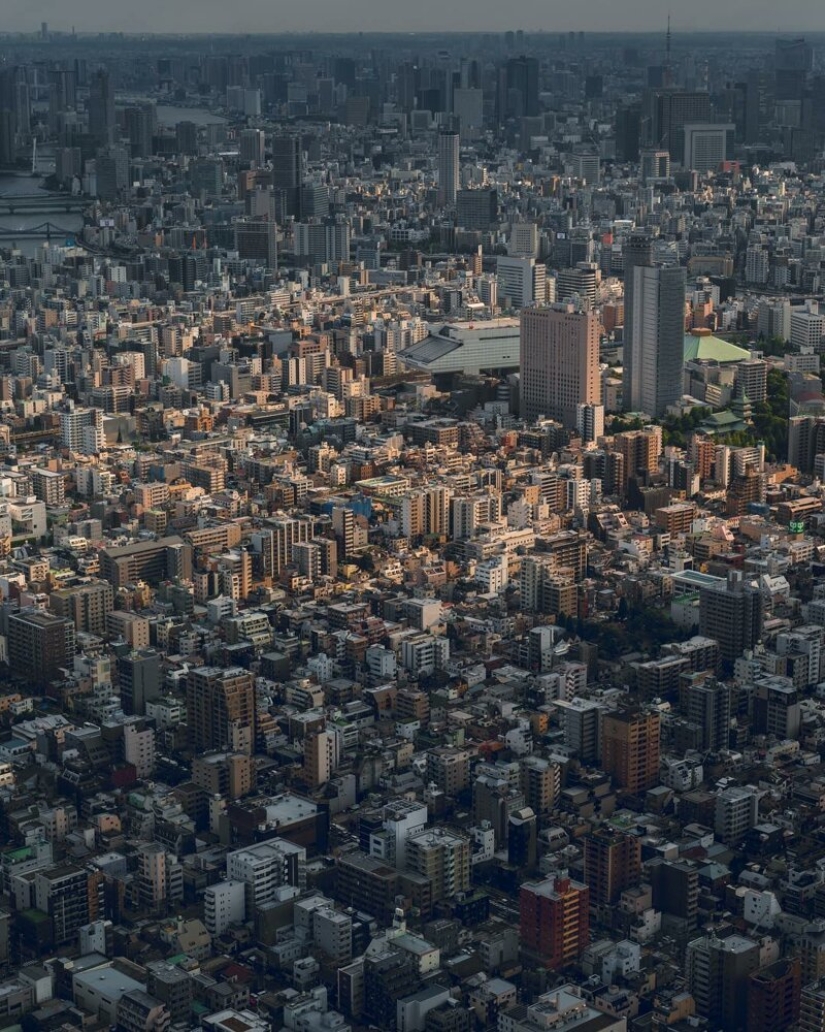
column 25, row 184
column 170, row 115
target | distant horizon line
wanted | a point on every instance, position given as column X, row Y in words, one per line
column 97, row 33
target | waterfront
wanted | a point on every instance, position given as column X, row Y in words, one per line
column 17, row 185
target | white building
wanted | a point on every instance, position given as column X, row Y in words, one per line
column 521, row 280
column 807, row 326
column 265, row 869
column 424, row 653
column 224, row 905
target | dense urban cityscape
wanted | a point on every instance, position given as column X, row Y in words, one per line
column 412, row 532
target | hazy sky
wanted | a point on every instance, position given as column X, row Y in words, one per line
column 409, row 15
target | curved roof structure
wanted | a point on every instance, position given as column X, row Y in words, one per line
column 705, row 347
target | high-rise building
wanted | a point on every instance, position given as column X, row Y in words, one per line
column 521, row 281
column 102, row 121
column 321, row 754
column 730, row 612
column 612, row 863
column 774, row 996
column 257, row 240
column 554, row 920
column 448, row 166
column 707, row 145
column 522, row 838
column 264, row 868
column 40, row 645
column 737, row 811
column 220, row 709
column 630, row 749
column 112, row 172
column 675, row 886
column 71, row 896
column 559, row 362
column 477, row 209
column 668, row 111
column 581, row 724
column 443, row 858
column 655, row 338
column 637, row 252
column 522, row 87
column 707, row 704
column 718, row 972
column 812, row 1007
column 86, row 605
column 287, row 174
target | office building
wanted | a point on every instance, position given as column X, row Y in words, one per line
column 139, row 679
column 630, row 749
column 554, row 921
column 707, row 145
column 41, row 646
column 655, row 337
column 730, row 612
column 257, row 240
column 559, row 362
column 220, row 709
column 707, row 705
column 637, row 252
column 448, row 167
column 522, row 87
column 112, row 172
column 102, row 122
column 521, row 281
column 668, row 111
column 718, row 971
column 287, row 174
column 477, row 209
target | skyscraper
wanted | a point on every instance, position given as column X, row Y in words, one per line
column 448, row 166
column 668, row 112
column 655, row 336
column 559, row 362
column 637, row 252
column 287, row 174
column 523, row 87
column 102, row 107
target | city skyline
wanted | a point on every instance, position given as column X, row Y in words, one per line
column 321, row 16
